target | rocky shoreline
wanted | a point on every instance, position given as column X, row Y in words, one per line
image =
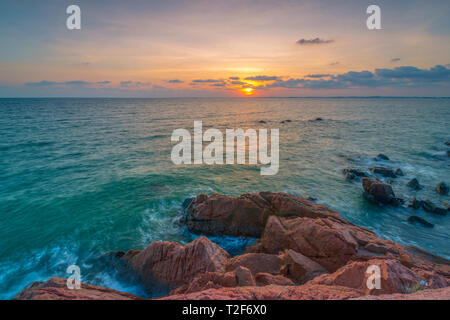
column 304, row 251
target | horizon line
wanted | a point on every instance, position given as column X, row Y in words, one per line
column 218, row 97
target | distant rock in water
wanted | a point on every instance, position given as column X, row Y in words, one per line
column 442, row 188
column 414, row 203
column 448, row 153
column 349, row 176
column 262, row 121
column 318, row 119
column 382, row 157
column 429, row 206
column 378, row 192
column 385, row 172
column 414, row 184
column 399, row 172
column 286, row 121
column 423, row 222
column 355, row 172
column 447, row 143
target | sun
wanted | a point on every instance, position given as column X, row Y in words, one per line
column 248, row 91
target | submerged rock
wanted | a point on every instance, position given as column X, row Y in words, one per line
column 382, row 157
column 442, row 188
column 414, row 203
column 447, row 143
column 385, row 172
column 429, row 206
column 351, row 174
column 377, row 191
column 423, row 222
column 414, row 184
column 187, row 202
column 399, row 172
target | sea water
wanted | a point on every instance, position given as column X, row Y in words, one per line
column 81, row 177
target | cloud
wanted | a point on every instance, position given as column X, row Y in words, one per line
column 71, row 83
column 335, row 63
column 206, row 80
column 438, row 73
column 238, row 82
column 133, row 84
column 234, row 78
column 395, row 59
column 405, row 76
column 174, row 81
column 42, row 83
column 318, row 75
column 305, row 42
column 262, row 78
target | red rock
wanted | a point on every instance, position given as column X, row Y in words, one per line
column 244, row 277
column 322, row 240
column 208, row 280
column 266, row 279
column 378, row 191
column 395, row 278
column 56, row 289
column 272, row 292
column 171, row 264
column 247, row 215
column 256, row 262
column 299, row 267
column 436, row 294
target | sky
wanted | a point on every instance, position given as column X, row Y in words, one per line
column 227, row 48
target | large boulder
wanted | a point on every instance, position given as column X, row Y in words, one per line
column 322, row 240
column 247, row 215
column 172, row 264
column 377, row 191
column 56, row 289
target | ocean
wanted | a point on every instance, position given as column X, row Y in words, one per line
column 81, row 177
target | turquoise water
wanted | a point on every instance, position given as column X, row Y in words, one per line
column 80, row 177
